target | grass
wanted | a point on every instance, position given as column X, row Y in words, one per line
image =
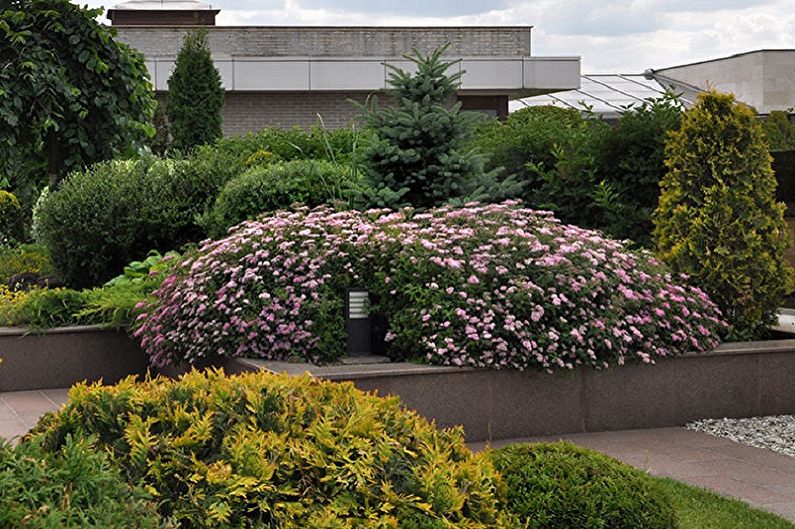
column 697, row 508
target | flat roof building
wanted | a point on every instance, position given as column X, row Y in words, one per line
column 286, row 76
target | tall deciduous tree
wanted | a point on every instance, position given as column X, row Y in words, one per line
column 419, row 155
column 718, row 219
column 70, row 93
column 195, row 94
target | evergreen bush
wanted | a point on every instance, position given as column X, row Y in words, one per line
column 264, row 450
column 115, row 212
column 419, row 155
column 779, row 131
column 562, row 486
column 268, row 188
column 718, row 219
column 76, row 486
column 630, row 163
column 195, row 94
column 10, row 211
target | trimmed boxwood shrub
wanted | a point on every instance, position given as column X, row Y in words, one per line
column 718, row 220
column 101, row 219
column 264, row 450
column 75, row 486
column 268, row 188
column 495, row 286
column 562, row 486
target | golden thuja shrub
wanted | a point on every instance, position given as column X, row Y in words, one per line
column 718, row 220
column 264, row 450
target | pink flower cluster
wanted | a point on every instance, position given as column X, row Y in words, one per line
column 497, row 286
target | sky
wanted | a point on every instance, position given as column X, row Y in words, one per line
column 611, row 36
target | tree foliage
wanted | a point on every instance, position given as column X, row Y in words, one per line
column 779, row 130
column 195, row 94
column 419, row 155
column 718, row 219
column 630, row 163
column 70, row 93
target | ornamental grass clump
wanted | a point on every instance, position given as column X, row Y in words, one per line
column 263, row 450
column 496, row 286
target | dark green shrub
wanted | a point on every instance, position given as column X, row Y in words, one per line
column 195, row 95
column 419, row 155
column 103, row 218
column 28, row 258
column 264, row 450
column 161, row 141
column 588, row 172
column 266, row 189
column 10, row 211
column 630, row 163
column 231, row 157
column 718, row 219
column 74, row 487
column 528, row 137
column 561, row 486
column 779, row 131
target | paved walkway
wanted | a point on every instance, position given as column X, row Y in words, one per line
column 20, row 411
column 762, row 478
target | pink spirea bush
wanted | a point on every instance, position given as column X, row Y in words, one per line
column 496, row 286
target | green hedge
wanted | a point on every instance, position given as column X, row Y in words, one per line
column 278, row 186
column 561, row 486
column 100, row 220
column 74, row 487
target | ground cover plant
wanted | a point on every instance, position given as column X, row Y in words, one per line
column 718, row 219
column 561, row 486
column 114, row 305
column 496, row 286
column 263, row 450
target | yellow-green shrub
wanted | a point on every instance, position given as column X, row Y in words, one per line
column 9, row 213
column 263, row 450
column 718, row 220
column 28, row 258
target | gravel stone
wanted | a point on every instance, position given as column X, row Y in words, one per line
column 773, row 433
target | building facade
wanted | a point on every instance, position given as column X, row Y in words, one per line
column 287, row 76
column 763, row 79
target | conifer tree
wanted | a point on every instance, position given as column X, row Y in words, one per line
column 195, row 95
column 718, row 220
column 419, row 155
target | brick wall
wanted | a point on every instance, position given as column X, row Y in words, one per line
column 267, row 41
column 253, row 111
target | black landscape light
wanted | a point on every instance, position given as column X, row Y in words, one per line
column 357, row 322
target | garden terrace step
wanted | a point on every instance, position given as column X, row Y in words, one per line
column 736, row 380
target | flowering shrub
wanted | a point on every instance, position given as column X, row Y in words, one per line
column 491, row 286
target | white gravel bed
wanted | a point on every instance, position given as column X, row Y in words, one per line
column 773, row 433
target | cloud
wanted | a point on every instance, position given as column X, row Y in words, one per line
column 617, row 36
